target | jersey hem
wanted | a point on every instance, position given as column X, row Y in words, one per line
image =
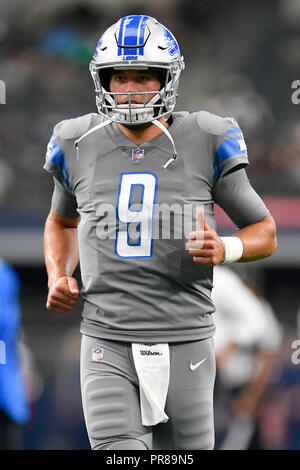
column 136, row 336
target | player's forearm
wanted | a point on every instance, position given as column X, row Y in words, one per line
column 259, row 240
column 60, row 249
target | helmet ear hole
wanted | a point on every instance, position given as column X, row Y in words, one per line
column 161, row 75
column 105, row 76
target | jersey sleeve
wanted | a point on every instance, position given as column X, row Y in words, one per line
column 55, row 160
column 230, row 150
column 64, row 201
column 235, row 195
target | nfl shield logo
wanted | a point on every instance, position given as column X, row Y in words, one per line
column 97, row 354
column 137, row 155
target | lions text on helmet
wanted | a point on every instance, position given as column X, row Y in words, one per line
column 136, row 42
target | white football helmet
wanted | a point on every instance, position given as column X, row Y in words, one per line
column 137, row 42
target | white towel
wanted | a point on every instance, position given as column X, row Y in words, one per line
column 152, row 365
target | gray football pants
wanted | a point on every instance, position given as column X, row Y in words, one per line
column 110, row 396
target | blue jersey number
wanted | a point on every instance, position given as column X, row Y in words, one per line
column 135, row 222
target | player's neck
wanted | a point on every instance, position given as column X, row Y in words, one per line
column 141, row 134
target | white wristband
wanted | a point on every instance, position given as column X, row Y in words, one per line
column 233, row 249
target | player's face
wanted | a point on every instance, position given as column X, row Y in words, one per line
column 128, row 81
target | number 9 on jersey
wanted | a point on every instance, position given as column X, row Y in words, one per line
column 133, row 216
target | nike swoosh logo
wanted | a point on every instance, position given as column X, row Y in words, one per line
column 195, row 366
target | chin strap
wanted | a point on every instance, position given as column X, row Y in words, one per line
column 165, row 130
column 103, row 124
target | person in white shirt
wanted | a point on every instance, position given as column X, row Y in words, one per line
column 246, row 342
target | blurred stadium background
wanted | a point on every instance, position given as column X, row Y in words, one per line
column 241, row 60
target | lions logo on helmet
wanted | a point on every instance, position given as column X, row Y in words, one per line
column 137, row 42
column 98, row 46
column 171, row 42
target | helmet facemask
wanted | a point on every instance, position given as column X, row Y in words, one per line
column 161, row 104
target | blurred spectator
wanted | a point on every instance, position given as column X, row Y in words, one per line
column 279, row 418
column 14, row 406
column 68, row 412
column 284, row 171
column 7, row 178
column 236, row 96
column 247, row 342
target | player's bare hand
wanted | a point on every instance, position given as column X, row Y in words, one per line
column 63, row 295
column 204, row 244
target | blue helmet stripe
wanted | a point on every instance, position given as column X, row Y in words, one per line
column 142, row 34
column 132, row 33
column 130, row 38
column 121, row 34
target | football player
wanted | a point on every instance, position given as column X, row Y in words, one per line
column 147, row 357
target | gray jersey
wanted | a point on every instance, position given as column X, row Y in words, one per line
column 139, row 285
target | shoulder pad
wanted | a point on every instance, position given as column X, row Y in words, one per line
column 73, row 128
column 214, row 124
